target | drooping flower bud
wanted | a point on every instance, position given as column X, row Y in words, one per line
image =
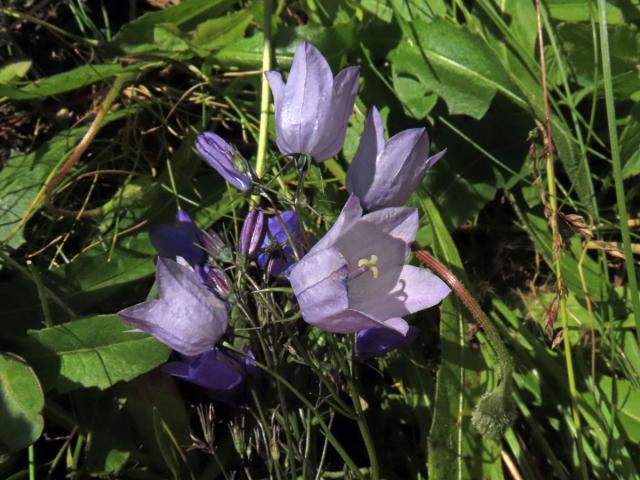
column 223, row 158
column 252, row 233
column 215, row 246
column 219, row 281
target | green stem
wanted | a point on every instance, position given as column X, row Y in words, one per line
column 557, row 250
column 32, row 463
column 323, row 425
column 617, row 166
column 352, row 383
column 265, row 97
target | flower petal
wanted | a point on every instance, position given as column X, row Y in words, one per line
column 399, row 222
column 362, row 170
column 416, row 289
column 397, row 172
column 350, row 213
column 180, row 239
column 187, row 318
column 345, row 88
column 306, row 98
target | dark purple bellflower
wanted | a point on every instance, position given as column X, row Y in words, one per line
column 385, row 174
column 179, row 239
column 355, row 277
column 221, row 156
column 219, row 372
column 313, row 107
column 375, row 341
column 279, row 254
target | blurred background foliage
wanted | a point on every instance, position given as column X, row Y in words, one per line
column 148, row 76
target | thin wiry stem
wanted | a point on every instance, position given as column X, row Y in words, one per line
column 557, row 250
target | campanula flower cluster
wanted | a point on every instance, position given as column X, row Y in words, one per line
column 352, row 280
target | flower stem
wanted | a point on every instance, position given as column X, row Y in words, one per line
column 504, row 357
column 351, row 375
column 556, row 245
column 265, row 96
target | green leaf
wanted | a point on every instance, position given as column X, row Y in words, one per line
column 65, row 82
column 218, row 32
column 92, row 352
column 14, row 71
column 579, row 10
column 456, row 450
column 247, row 52
column 25, row 173
column 630, row 144
column 139, row 35
column 21, row 404
column 456, row 65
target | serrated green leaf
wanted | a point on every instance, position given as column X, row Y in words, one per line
column 456, row 65
column 92, row 352
column 21, row 404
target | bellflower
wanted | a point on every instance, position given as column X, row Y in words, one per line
column 313, row 107
column 355, row 277
column 375, row 341
column 179, row 239
column 220, row 155
column 276, row 243
column 385, row 174
column 188, row 317
column 220, row 373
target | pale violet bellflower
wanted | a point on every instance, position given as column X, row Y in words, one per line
column 372, row 342
column 385, row 173
column 356, row 278
column 188, row 317
column 312, row 107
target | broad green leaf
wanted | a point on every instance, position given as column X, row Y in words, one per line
column 247, row 52
column 456, row 65
column 409, row 10
column 14, row 71
column 456, row 450
column 153, row 401
column 377, row 8
column 139, row 35
column 580, row 11
column 523, row 24
column 25, row 173
column 64, row 82
column 218, row 32
column 21, row 404
column 92, row 352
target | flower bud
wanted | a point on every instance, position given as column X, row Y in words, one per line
column 219, row 281
column 223, row 158
column 253, row 232
column 495, row 412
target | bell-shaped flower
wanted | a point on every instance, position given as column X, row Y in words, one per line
column 220, row 373
column 187, row 317
column 278, row 253
column 355, row 277
column 313, row 107
column 375, row 341
column 385, row 174
column 179, row 239
column 223, row 158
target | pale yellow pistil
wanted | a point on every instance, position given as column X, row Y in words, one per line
column 370, row 264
